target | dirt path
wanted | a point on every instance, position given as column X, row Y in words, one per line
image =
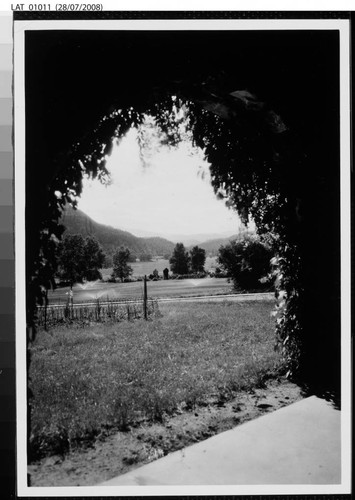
column 124, row 451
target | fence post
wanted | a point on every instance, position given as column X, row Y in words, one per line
column 145, row 298
column 45, row 309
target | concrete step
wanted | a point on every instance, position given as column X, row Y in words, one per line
column 298, row 444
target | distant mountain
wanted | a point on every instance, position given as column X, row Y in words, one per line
column 196, row 239
column 212, row 246
column 186, row 239
column 77, row 222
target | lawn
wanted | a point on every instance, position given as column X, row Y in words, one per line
column 89, row 382
column 156, row 289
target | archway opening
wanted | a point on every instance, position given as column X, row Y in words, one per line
column 271, row 147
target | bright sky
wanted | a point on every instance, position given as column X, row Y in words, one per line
column 167, row 197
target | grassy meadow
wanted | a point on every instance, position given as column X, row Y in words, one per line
column 88, row 382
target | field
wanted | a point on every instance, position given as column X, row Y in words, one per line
column 156, row 289
column 90, row 382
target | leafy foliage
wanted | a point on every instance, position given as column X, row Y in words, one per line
column 197, row 259
column 246, row 261
column 180, row 260
column 270, row 134
column 72, row 258
column 80, row 259
column 132, row 257
column 145, row 257
column 121, row 269
column 94, row 258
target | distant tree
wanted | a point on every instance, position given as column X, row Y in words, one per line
column 156, row 274
column 198, row 259
column 121, row 269
column 217, row 271
column 180, row 259
column 71, row 258
column 246, row 260
column 145, row 257
column 94, row 259
column 132, row 257
column 108, row 261
column 80, row 259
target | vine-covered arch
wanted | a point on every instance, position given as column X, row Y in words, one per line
column 264, row 108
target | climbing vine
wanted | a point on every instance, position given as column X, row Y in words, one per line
column 249, row 153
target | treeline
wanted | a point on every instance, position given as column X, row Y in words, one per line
column 246, row 261
column 184, row 262
column 79, row 259
column 133, row 257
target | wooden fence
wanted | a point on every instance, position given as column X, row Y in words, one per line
column 98, row 311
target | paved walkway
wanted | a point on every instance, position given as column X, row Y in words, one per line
column 298, row 444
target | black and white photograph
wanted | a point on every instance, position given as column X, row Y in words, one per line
column 182, row 218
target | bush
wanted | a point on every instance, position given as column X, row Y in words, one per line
column 219, row 274
column 247, row 261
column 188, row 276
column 93, row 275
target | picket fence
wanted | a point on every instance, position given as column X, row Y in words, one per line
column 98, row 311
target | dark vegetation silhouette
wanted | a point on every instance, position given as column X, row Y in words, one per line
column 79, row 259
column 264, row 106
column 145, row 257
column 247, row 261
column 197, row 259
column 180, row 260
column 121, row 268
column 211, row 247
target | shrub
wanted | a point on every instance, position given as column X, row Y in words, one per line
column 247, row 261
column 188, row 276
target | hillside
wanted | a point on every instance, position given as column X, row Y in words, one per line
column 212, row 246
column 77, row 222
